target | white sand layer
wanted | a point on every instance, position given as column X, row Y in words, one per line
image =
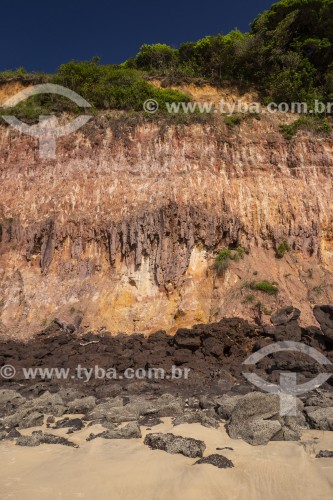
column 128, row 470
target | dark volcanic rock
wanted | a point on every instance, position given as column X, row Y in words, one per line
column 129, row 431
column 226, row 404
column 324, row 316
column 214, row 353
column 74, row 424
column 189, row 339
column 217, row 460
column 325, row 454
column 148, row 421
column 23, row 418
column 286, row 324
column 12, row 434
column 320, row 418
column 38, row 437
column 255, row 418
column 10, row 401
column 175, row 444
column 47, row 403
column 31, row 412
column 207, row 419
column 82, row 405
column 321, row 400
column 109, row 390
column 182, row 356
column 285, row 315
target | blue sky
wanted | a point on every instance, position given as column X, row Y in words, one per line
column 40, row 35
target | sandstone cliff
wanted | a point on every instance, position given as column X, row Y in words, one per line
column 123, row 227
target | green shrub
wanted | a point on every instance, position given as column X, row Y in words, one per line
column 158, row 56
column 268, row 287
column 232, row 121
column 221, row 262
column 282, row 249
column 104, row 87
column 240, row 251
column 287, row 55
column 316, row 124
column 113, row 87
column 249, row 298
column 22, row 75
column 319, row 290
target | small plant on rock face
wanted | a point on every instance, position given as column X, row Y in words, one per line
column 249, row 298
column 268, row 287
column 282, row 249
column 316, row 124
column 221, row 262
column 239, row 253
column 318, row 290
column 231, row 121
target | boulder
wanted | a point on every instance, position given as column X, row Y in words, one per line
column 168, row 405
column 324, row 316
column 226, row 404
column 170, row 443
column 207, row 419
column 285, row 315
column 108, row 390
column 10, row 401
column 189, row 339
column 31, row 412
column 47, row 403
column 213, row 347
column 150, row 421
column 112, row 410
column 182, row 356
column 217, row 460
column 38, row 437
column 321, row 400
column 256, row 419
column 68, row 394
column 129, row 431
column 74, row 424
column 10, row 435
column 23, row 418
column 320, row 418
column 82, row 405
column 325, row 454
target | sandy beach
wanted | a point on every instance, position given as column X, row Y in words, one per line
column 127, row 469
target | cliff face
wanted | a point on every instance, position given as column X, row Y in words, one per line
column 122, row 228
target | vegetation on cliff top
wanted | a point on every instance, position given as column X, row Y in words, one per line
column 287, row 55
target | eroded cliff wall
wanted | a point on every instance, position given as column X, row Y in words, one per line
column 122, row 227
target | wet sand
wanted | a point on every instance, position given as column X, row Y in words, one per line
column 128, row 470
